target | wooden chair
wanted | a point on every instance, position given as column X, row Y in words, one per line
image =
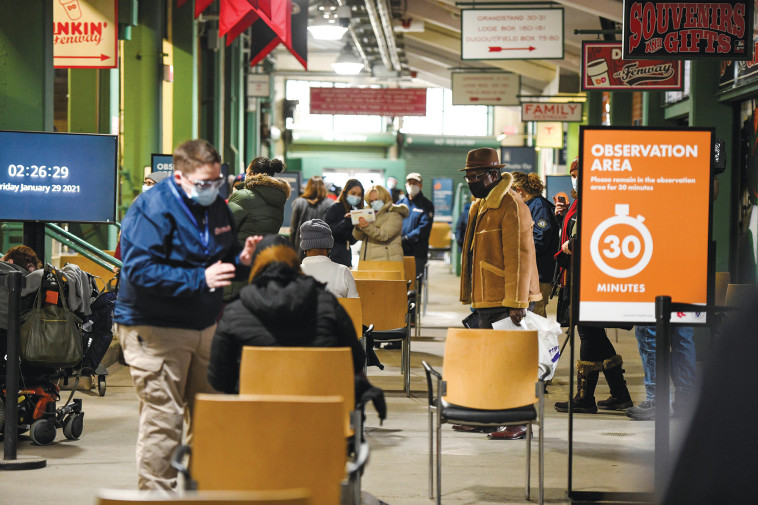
column 385, row 306
column 489, row 381
column 738, row 295
column 259, row 443
column 300, row 371
column 415, row 284
column 409, row 264
column 389, row 275
column 131, row 497
column 382, row 265
column 353, row 308
column 722, row 281
column 440, row 237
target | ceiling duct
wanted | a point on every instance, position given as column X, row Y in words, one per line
column 385, row 14
column 381, row 40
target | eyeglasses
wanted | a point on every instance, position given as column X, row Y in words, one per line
column 476, row 177
column 213, row 183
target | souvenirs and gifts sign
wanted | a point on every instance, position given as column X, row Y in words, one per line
column 603, row 69
column 655, row 29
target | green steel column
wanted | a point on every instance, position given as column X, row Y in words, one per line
column 142, row 66
column 185, row 113
column 595, row 108
column 652, row 109
column 706, row 110
column 212, row 86
column 26, row 82
column 621, row 108
column 233, row 148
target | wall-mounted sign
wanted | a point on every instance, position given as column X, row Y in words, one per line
column 85, row 34
column 162, row 163
column 485, row 88
column 511, row 34
column 634, row 230
column 369, row 101
column 258, row 85
column 546, row 111
column 604, row 69
column 550, row 135
column 442, row 196
column 688, row 30
column 518, row 158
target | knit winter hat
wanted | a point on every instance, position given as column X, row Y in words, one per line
column 315, row 234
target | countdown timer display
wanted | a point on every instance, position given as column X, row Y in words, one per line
column 644, row 222
column 58, row 177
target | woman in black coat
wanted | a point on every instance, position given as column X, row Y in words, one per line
column 280, row 307
column 338, row 219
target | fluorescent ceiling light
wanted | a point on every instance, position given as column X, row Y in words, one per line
column 323, row 29
column 347, row 63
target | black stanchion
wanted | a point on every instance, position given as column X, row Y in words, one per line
column 14, row 282
column 662, row 389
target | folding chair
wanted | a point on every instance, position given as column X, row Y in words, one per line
column 489, row 381
column 131, row 497
column 385, row 305
column 257, row 443
column 353, row 308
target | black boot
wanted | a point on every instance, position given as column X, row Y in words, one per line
column 614, row 374
column 587, row 373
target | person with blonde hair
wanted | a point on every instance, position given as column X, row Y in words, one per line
column 312, row 204
column 382, row 239
column 545, row 231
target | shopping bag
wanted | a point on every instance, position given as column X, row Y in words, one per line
column 547, row 331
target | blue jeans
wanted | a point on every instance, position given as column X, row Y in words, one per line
column 682, row 357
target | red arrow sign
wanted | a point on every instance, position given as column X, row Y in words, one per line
column 496, row 49
column 102, row 57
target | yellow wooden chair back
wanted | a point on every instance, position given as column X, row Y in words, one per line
column 490, row 369
column 353, row 308
column 439, row 237
column 409, row 263
column 261, row 443
column 389, row 275
column 300, row 371
column 382, row 265
column 132, row 497
column 384, row 303
column 722, row 281
column 738, row 295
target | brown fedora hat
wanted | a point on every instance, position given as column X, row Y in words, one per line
column 484, row 157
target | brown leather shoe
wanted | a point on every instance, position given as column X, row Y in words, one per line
column 514, row 432
column 469, row 428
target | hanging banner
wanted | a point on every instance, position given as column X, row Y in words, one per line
column 512, row 34
column 550, row 135
column 655, row 29
column 369, row 101
column 485, row 88
column 603, row 69
column 544, row 111
column 85, row 34
column 644, row 222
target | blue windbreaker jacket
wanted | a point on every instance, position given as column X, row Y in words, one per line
column 165, row 254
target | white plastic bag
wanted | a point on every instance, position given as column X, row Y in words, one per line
column 548, row 332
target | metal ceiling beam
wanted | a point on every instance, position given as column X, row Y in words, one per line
column 381, row 40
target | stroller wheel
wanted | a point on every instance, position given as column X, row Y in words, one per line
column 101, row 385
column 43, row 432
column 73, row 426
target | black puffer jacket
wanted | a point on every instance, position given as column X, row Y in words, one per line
column 295, row 313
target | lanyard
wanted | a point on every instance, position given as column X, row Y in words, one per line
column 205, row 236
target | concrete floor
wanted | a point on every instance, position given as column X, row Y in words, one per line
column 611, row 452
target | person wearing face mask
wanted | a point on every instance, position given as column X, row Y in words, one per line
column 499, row 276
column 596, row 352
column 338, row 219
column 179, row 250
column 152, row 179
column 381, row 239
column 418, row 225
column 397, row 193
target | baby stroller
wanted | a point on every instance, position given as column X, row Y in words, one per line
column 39, row 392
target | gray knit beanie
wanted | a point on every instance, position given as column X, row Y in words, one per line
column 315, row 234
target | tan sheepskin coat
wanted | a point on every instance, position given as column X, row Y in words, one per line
column 499, row 262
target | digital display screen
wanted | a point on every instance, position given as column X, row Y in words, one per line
column 58, row 177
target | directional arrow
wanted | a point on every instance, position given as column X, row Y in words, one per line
column 102, row 57
column 496, row 49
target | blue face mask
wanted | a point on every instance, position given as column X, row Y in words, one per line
column 353, row 200
column 377, row 205
column 204, row 197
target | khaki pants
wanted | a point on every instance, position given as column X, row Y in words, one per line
column 540, row 307
column 169, row 367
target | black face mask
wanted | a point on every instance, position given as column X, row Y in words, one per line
column 477, row 189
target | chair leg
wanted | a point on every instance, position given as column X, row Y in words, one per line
column 407, row 377
column 528, row 458
column 439, row 455
column 431, row 454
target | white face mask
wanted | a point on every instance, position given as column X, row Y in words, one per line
column 412, row 190
column 145, row 187
column 377, row 205
column 574, row 182
column 204, row 197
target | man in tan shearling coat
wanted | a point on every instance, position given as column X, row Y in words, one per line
column 499, row 275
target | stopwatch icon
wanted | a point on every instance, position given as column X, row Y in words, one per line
column 629, row 245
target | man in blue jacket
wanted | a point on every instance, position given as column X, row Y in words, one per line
column 179, row 250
